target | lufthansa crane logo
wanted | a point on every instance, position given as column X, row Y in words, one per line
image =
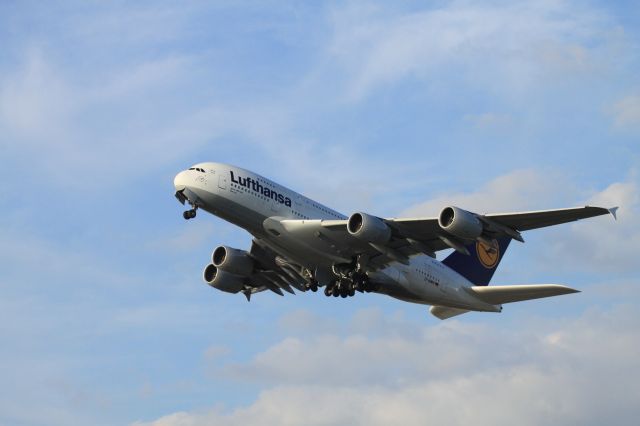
column 488, row 254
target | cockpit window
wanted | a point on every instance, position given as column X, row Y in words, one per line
column 197, row 169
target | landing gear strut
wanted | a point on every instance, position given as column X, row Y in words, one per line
column 311, row 281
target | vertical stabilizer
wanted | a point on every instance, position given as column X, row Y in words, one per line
column 482, row 261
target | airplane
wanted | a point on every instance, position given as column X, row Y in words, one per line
column 302, row 244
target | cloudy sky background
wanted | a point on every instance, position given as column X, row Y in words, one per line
column 395, row 110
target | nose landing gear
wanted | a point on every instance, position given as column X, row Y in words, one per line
column 189, row 214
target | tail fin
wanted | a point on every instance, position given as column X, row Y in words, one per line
column 482, row 261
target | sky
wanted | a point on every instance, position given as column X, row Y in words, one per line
column 394, row 109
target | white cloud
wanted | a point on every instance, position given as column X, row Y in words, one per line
column 139, row 116
column 153, row 315
column 110, row 24
column 53, row 263
column 490, row 120
column 601, row 244
column 538, row 372
column 626, row 112
column 215, row 352
column 521, row 189
column 190, row 238
column 34, row 101
column 504, row 45
column 605, row 244
column 76, row 130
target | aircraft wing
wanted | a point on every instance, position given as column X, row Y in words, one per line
column 497, row 295
column 539, row 219
column 521, row 221
column 411, row 236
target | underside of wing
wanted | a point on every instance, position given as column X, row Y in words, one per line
column 407, row 237
column 497, row 295
column 274, row 272
column 384, row 241
column 494, row 225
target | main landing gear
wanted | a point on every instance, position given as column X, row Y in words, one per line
column 347, row 288
column 349, row 282
column 348, row 278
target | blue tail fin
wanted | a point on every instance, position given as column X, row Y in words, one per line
column 482, row 261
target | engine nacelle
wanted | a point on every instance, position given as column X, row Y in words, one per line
column 232, row 260
column 368, row 228
column 222, row 280
column 460, row 223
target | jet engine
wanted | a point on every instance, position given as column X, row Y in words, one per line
column 222, row 280
column 234, row 261
column 368, row 228
column 460, row 223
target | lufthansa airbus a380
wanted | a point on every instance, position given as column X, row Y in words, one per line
column 299, row 243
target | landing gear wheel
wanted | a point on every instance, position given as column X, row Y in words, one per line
column 335, row 288
column 313, row 286
column 189, row 214
column 344, row 290
column 327, row 291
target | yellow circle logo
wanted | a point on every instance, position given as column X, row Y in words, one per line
column 488, row 254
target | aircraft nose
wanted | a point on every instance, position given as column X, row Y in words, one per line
column 181, row 180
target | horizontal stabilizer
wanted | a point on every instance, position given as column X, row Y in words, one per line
column 497, row 295
column 443, row 312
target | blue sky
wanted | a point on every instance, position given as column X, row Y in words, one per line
column 394, row 110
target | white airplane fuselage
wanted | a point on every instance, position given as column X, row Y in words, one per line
column 259, row 206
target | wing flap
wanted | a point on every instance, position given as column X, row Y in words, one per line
column 270, row 275
column 497, row 295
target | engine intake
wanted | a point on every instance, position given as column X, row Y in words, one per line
column 460, row 223
column 232, row 260
column 368, row 228
column 223, row 281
